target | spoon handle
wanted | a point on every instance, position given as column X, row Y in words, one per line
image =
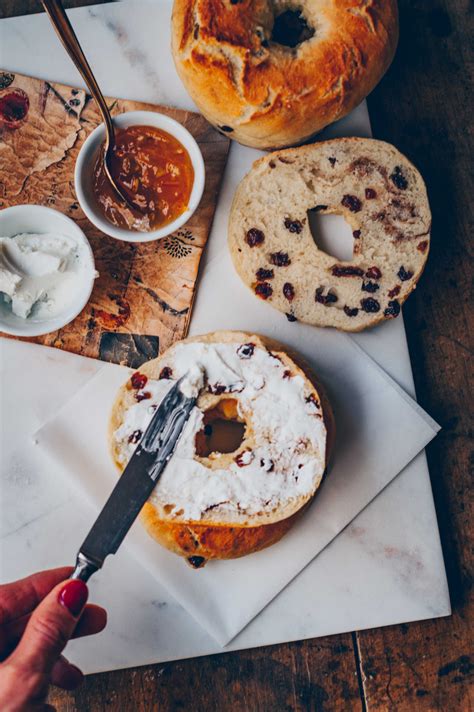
column 63, row 27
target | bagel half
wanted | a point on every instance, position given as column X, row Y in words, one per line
column 272, row 73
column 382, row 197
column 225, row 530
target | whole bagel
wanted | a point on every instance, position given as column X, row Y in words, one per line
column 271, row 74
column 199, row 525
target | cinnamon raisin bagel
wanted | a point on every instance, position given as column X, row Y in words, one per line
column 272, row 73
column 229, row 501
column 379, row 193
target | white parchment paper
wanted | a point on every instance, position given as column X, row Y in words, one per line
column 379, row 431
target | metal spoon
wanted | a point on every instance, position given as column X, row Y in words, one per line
column 66, row 34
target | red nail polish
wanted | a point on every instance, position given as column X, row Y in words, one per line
column 74, row 596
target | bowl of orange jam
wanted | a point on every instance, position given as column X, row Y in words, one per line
column 159, row 166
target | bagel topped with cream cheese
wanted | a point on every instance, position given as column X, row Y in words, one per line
column 272, row 73
column 251, row 456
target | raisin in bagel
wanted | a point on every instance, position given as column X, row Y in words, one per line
column 222, row 505
column 379, row 193
column 272, row 73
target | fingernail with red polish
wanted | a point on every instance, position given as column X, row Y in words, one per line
column 74, row 596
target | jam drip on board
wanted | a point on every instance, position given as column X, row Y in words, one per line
column 14, row 107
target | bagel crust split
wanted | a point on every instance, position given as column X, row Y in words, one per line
column 271, row 74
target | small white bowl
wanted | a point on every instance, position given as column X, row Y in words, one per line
column 39, row 219
column 87, row 158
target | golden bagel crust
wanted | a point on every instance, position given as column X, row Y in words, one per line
column 267, row 95
column 219, row 539
column 213, row 542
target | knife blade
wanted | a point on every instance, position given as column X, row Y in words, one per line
column 136, row 483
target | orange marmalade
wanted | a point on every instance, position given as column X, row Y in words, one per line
column 154, row 169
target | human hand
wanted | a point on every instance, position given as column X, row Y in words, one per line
column 38, row 615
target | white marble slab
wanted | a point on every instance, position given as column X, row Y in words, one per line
column 379, row 430
column 385, row 568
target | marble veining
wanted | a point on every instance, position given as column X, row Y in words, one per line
column 135, row 56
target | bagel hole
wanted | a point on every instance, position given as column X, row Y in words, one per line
column 332, row 235
column 291, row 29
column 223, row 431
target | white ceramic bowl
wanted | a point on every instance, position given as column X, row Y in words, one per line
column 87, row 158
column 38, row 219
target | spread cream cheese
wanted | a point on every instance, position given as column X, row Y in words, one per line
column 193, row 382
column 40, row 274
column 283, row 460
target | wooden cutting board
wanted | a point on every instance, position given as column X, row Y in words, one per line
column 142, row 300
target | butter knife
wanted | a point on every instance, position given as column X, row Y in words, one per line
column 136, row 483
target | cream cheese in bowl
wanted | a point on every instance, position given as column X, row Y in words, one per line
column 40, row 274
column 46, row 270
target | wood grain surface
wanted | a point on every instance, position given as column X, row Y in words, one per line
column 142, row 299
column 424, row 106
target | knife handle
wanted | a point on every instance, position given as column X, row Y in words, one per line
column 85, row 567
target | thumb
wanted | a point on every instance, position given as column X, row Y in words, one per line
column 50, row 627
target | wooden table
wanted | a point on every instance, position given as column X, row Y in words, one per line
column 422, row 106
